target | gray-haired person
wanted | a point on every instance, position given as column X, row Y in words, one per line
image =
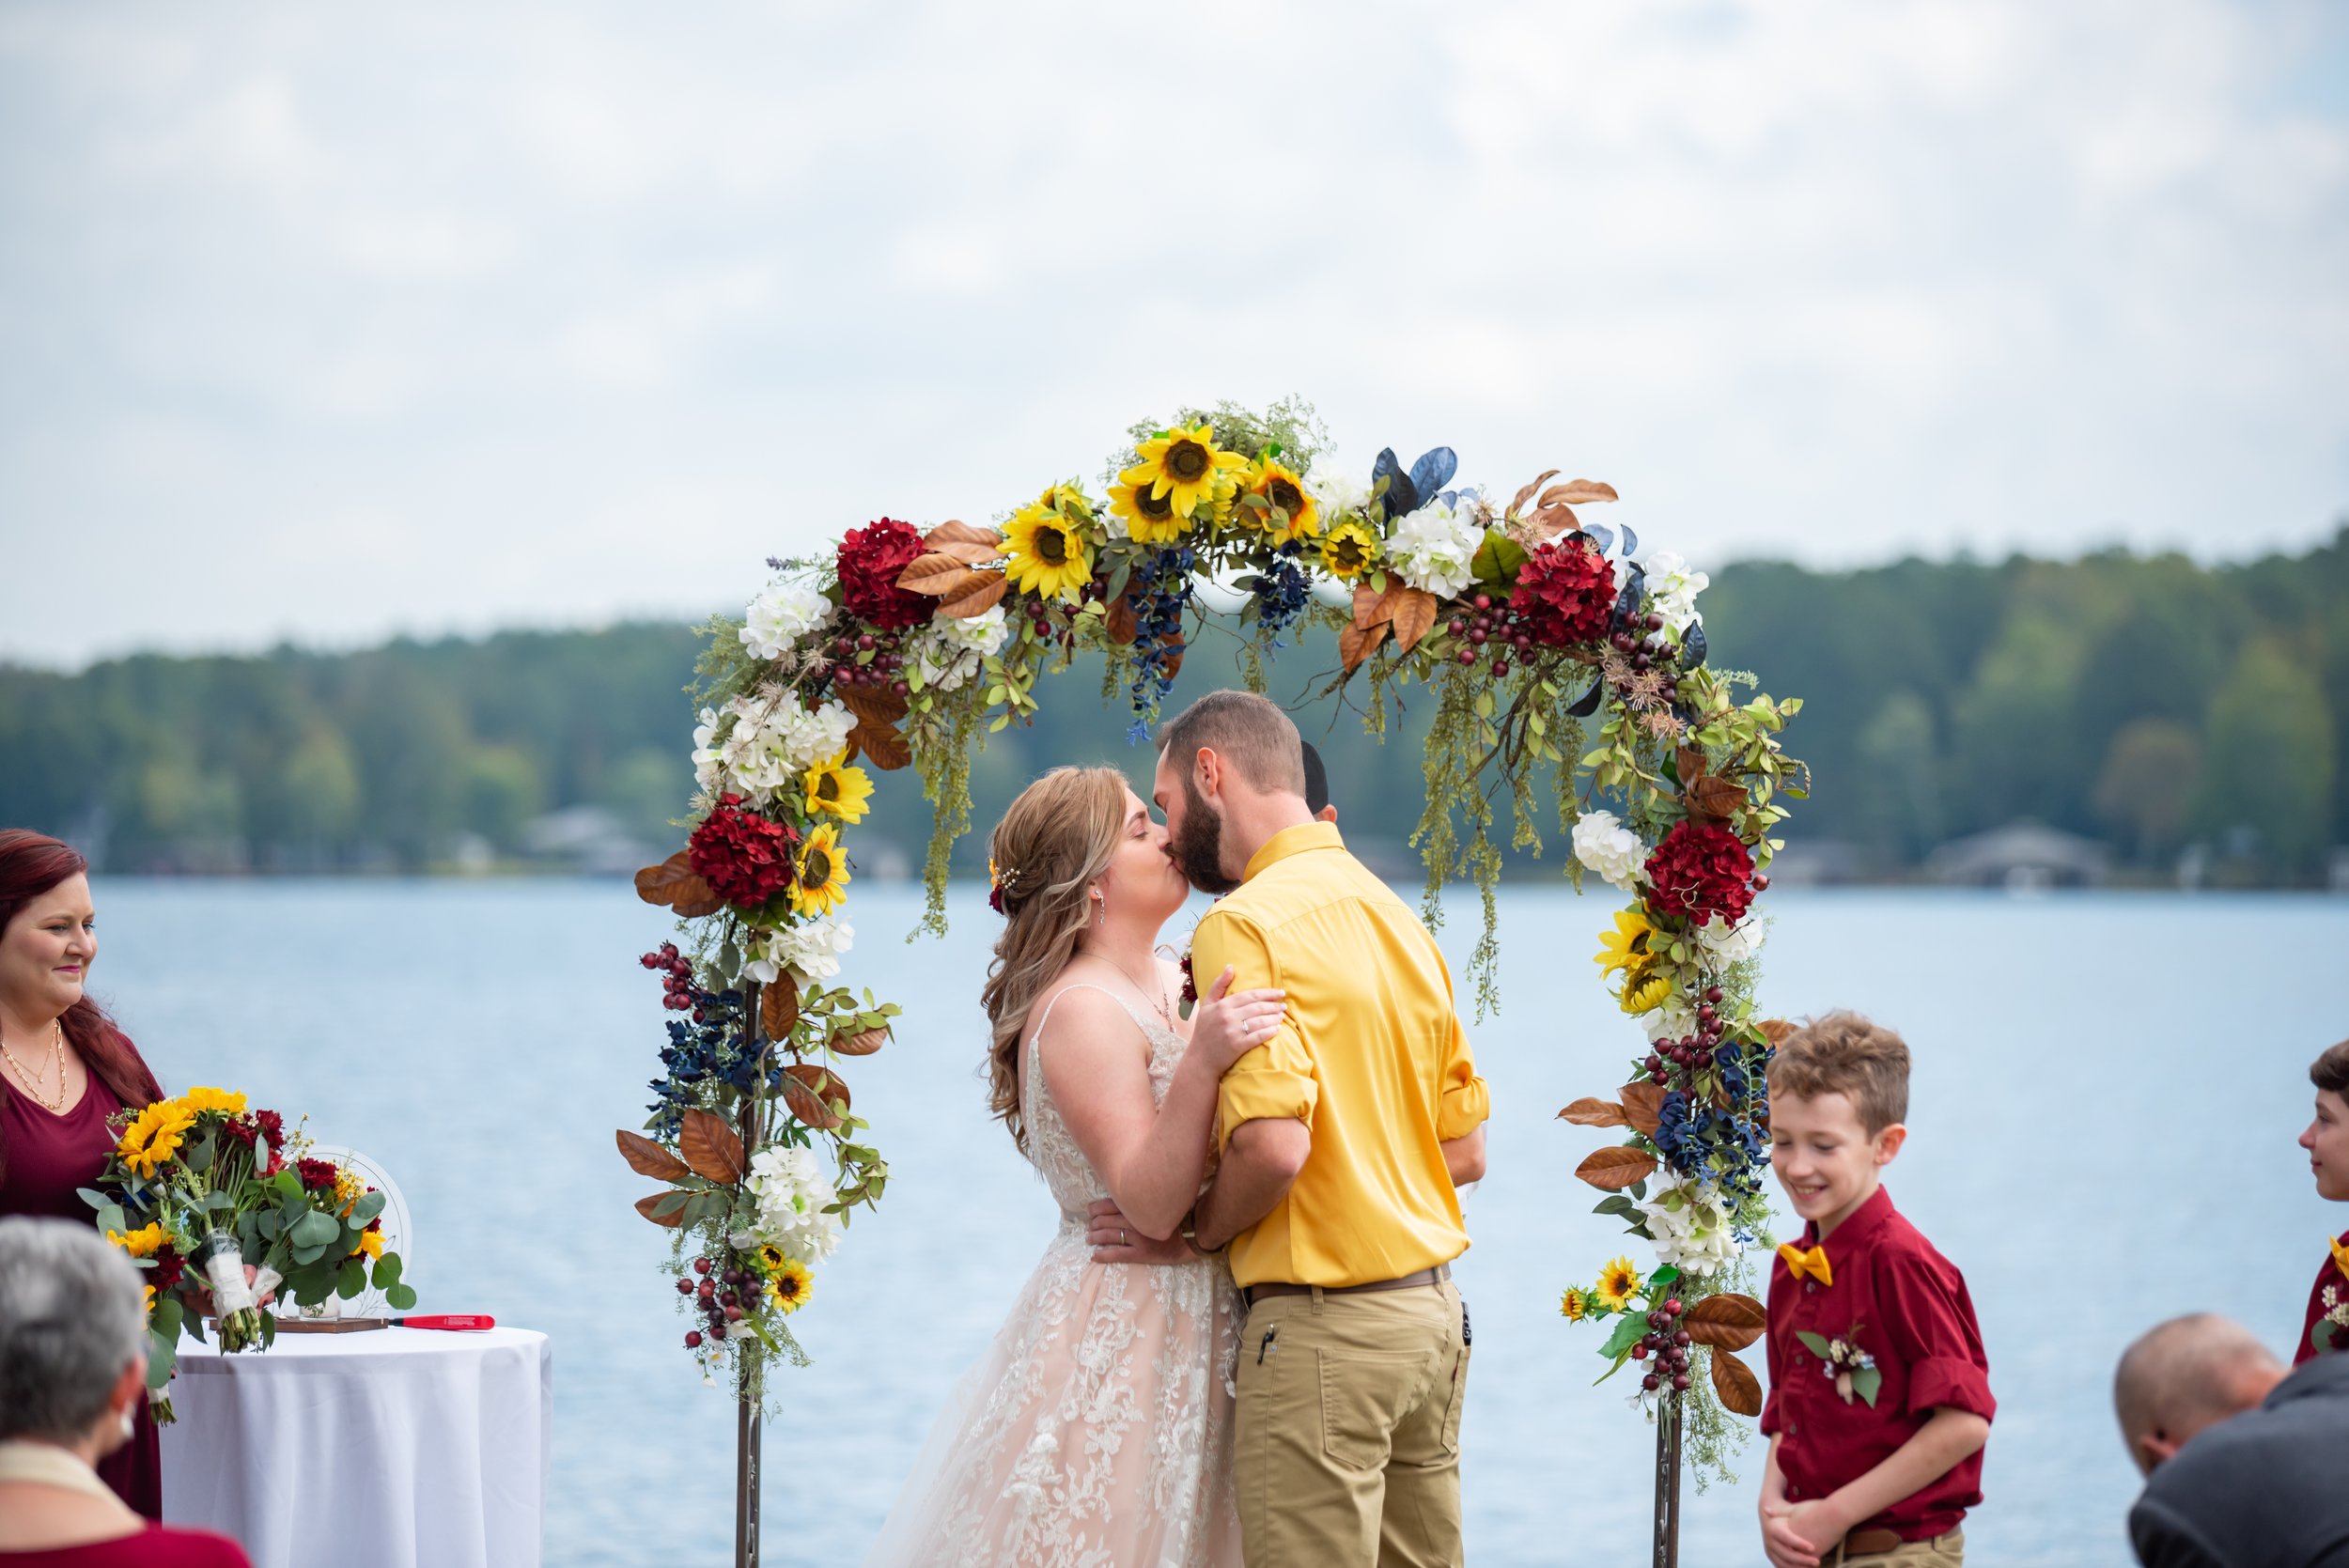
column 72, row 1372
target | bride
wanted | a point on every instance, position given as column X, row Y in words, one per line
column 1096, row 1430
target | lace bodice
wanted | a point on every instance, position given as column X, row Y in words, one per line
column 1051, row 1147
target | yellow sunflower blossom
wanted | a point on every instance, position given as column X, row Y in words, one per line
column 141, row 1243
column 1644, row 990
column 1625, row 947
column 1618, row 1283
column 823, row 874
column 201, row 1101
column 788, row 1283
column 1045, row 554
column 1150, row 519
column 836, row 789
column 371, row 1243
column 1068, row 501
column 1283, row 507
column 1349, row 550
column 1575, row 1305
column 1181, row 467
column 151, row 1300
column 154, row 1135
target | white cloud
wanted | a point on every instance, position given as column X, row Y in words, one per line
column 558, row 312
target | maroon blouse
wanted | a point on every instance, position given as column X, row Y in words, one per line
column 2330, row 1275
column 49, row 1157
column 155, row 1547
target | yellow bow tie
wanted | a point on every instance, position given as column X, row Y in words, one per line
column 2341, row 1257
column 1814, row 1262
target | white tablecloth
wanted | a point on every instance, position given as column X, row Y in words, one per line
column 396, row 1448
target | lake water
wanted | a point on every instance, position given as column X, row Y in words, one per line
column 2106, row 1096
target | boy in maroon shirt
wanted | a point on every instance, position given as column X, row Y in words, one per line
column 1879, row 1392
column 2328, row 1143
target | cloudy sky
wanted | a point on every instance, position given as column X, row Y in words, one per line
column 327, row 322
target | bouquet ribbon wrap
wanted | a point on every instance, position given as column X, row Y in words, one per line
column 222, row 1265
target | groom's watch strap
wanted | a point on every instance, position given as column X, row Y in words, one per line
column 1191, row 1235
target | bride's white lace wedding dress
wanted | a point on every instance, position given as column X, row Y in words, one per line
column 1096, row 1430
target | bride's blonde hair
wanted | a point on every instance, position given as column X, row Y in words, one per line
column 1048, row 851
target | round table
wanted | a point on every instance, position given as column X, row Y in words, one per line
column 391, row 1448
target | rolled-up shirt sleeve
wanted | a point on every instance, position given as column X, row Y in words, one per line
column 1465, row 1103
column 1931, row 1322
column 1276, row 1080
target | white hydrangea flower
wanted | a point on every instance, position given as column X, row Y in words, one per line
column 1433, row 549
column 809, row 951
column 1613, row 850
column 1731, row 944
column 1674, row 1020
column 781, row 616
column 1692, row 1231
column 708, row 763
column 951, row 649
column 774, row 740
column 1338, row 488
column 792, row 1195
column 1675, row 589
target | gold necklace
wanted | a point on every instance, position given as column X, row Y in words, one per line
column 1156, row 994
column 57, row 1057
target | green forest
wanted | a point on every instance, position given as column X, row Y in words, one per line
column 2150, row 704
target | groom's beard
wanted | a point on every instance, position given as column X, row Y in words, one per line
column 1198, row 847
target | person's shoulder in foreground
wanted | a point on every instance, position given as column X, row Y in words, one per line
column 155, row 1547
column 2268, row 1488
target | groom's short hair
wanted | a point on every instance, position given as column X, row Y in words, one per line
column 1250, row 733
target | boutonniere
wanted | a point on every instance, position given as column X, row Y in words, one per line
column 1853, row 1369
column 2332, row 1328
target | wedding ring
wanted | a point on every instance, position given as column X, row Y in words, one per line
column 1121, row 1236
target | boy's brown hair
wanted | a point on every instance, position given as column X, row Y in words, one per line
column 1845, row 1053
column 2331, row 1070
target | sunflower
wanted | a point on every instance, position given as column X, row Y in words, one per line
column 370, row 1242
column 836, row 789
column 1287, row 510
column 141, row 1243
column 199, row 1100
column 788, row 1283
column 154, row 1135
column 1181, row 467
column 823, row 873
column 1068, row 501
column 1625, row 947
column 1150, row 519
column 1575, row 1305
column 1349, row 550
column 1644, row 990
column 1618, row 1282
column 1044, row 554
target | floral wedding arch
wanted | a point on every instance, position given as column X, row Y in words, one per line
column 1545, row 642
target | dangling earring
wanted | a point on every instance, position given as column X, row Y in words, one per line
column 1101, row 908
column 129, row 1420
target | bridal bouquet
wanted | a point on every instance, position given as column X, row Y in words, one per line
column 199, row 1188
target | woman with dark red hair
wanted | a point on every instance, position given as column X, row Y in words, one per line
column 65, row 1069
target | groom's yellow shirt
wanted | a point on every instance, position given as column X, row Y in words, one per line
column 1371, row 1057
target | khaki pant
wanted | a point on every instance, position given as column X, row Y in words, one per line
column 1941, row 1551
column 1348, row 1446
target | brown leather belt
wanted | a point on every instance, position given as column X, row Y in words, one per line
column 1862, row 1543
column 1437, row 1275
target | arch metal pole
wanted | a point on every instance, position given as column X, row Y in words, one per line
column 748, row 1394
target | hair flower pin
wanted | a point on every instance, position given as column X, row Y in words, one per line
column 1000, row 885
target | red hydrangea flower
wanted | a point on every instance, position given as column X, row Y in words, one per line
column 1700, row 870
column 744, row 856
column 1566, row 594
column 870, row 559
column 318, row 1174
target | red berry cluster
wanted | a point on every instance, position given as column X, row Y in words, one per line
column 1700, row 870
column 870, row 662
column 720, row 1300
column 1670, row 1344
column 1491, row 631
column 1690, row 1051
column 677, row 976
column 871, row 559
column 1645, row 644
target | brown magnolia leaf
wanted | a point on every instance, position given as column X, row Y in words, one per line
column 677, row 884
column 982, row 595
column 1592, row 1111
column 1726, row 1322
column 1613, row 1169
column 881, row 746
column 865, row 1042
column 1713, row 798
column 1687, row 765
column 1517, row 507
column 1357, row 644
column 872, row 705
column 1369, row 606
column 1413, row 611
column 969, row 555
column 644, row 1207
column 1552, row 520
column 648, row 1158
column 937, row 574
column 1735, row 1382
column 1775, row 1030
column 956, row 532
column 1642, row 1105
column 1121, row 622
column 779, row 1007
column 807, row 1088
column 710, row 1147
column 1578, row 492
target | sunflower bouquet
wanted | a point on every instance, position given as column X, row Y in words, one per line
column 200, row 1188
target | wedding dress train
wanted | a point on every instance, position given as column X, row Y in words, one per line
column 1096, row 1430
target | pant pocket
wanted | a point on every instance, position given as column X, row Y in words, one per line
column 1363, row 1394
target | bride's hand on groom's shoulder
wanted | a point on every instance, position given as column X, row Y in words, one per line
column 1113, row 1239
column 1227, row 1024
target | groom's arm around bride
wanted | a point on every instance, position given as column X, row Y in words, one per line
column 1342, row 1140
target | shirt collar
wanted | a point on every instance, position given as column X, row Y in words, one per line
column 1853, row 1234
column 1292, row 841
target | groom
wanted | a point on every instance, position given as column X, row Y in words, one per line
column 1342, row 1142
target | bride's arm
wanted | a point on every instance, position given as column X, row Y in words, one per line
column 1150, row 1157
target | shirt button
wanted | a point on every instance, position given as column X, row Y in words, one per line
column 1809, row 1285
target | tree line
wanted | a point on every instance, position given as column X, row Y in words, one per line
column 2146, row 701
